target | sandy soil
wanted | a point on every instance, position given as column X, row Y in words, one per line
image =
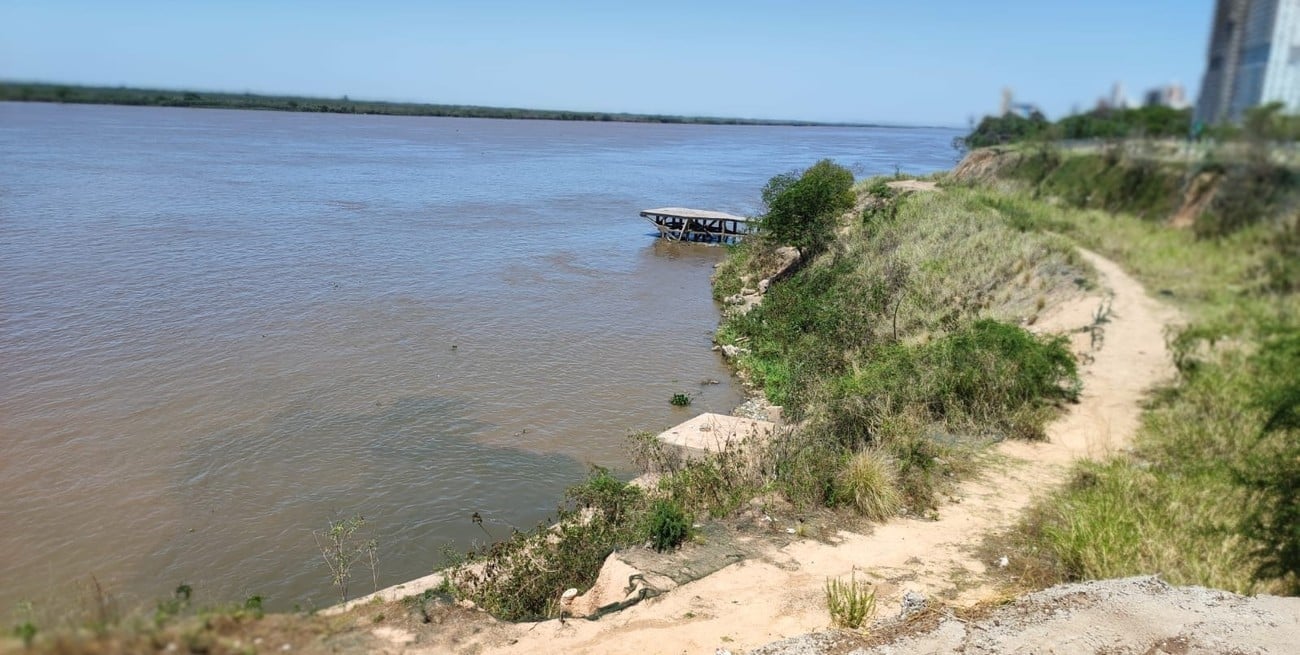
column 912, row 185
column 780, row 594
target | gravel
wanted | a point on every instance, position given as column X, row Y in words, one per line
column 1141, row 616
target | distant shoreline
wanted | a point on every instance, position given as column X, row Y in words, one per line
column 11, row 91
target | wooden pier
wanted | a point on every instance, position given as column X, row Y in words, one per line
column 681, row 224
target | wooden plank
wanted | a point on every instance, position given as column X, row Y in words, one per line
column 686, row 213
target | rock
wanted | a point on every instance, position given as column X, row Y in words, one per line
column 569, row 594
column 763, row 284
column 913, row 602
column 734, row 299
column 731, row 352
column 786, row 258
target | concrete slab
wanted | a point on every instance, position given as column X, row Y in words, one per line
column 714, row 432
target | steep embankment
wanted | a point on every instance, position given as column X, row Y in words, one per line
column 781, row 593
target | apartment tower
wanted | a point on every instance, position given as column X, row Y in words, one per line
column 1254, row 59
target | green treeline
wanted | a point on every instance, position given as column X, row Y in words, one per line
column 1153, row 122
column 1265, row 121
column 62, row 93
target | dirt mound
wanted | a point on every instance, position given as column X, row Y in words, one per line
column 984, row 165
column 1131, row 615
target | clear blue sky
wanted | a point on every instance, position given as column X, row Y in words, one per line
column 924, row 62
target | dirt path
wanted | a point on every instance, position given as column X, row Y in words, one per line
column 757, row 601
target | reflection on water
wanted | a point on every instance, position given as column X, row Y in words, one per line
column 220, row 329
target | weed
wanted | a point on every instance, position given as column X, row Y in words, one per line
column 850, row 602
column 341, row 548
column 522, row 577
column 680, row 400
column 253, row 606
column 879, row 188
column 26, row 631
column 170, row 608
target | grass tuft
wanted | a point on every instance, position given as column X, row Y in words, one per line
column 869, row 483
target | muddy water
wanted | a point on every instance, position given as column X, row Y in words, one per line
column 220, row 329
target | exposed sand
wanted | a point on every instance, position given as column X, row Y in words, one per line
column 912, row 185
column 779, row 595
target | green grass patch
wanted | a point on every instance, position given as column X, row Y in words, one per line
column 1207, row 493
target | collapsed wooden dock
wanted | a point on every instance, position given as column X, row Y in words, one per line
column 682, row 224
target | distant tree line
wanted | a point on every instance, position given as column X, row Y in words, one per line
column 1266, row 122
column 41, row 92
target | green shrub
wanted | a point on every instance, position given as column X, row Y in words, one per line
column 668, row 525
column 802, row 208
column 612, row 498
column 880, row 188
column 679, row 400
column 988, row 373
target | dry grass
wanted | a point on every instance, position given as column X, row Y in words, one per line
column 869, row 482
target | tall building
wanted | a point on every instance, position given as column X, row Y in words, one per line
column 1169, row 95
column 1254, row 59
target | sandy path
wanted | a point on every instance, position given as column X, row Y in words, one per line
column 757, row 601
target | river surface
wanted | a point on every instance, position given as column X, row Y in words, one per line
column 221, row 329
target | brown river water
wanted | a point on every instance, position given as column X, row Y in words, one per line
column 221, row 329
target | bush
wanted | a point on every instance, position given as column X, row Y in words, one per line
column 869, row 482
column 521, row 578
column 802, row 208
column 996, row 130
column 668, row 525
column 985, row 374
column 680, row 400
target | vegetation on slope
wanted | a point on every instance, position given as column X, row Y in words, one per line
column 900, row 335
column 1207, row 494
column 898, row 347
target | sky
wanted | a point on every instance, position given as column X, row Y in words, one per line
column 935, row 62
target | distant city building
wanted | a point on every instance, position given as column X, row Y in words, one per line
column 1118, row 99
column 1169, row 95
column 1254, row 59
column 1010, row 106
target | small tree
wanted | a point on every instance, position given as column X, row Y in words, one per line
column 802, row 207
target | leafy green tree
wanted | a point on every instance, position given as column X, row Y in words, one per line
column 802, row 207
